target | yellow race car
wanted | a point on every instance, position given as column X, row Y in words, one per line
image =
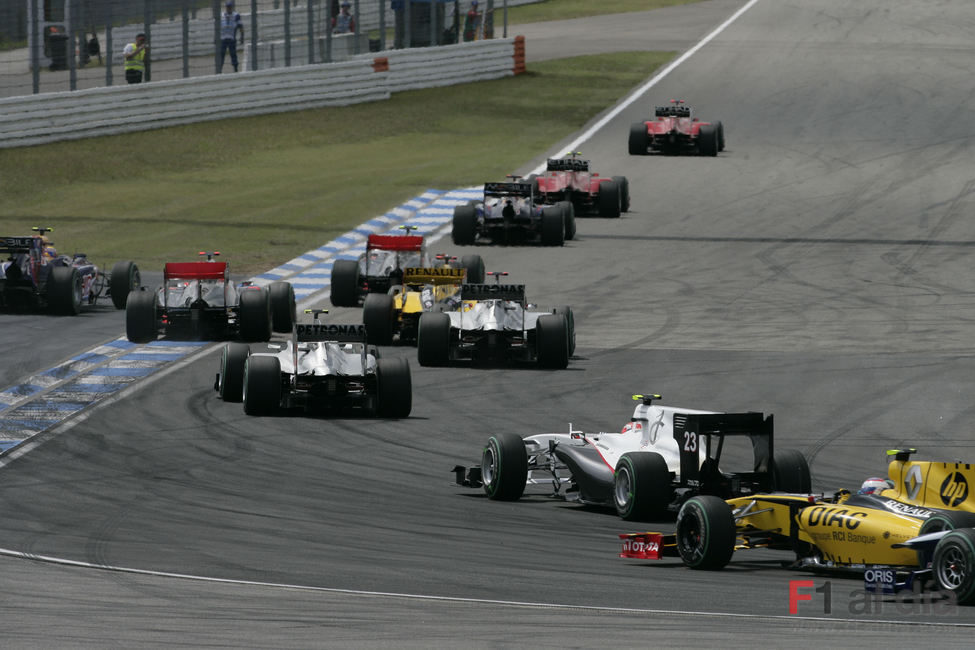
column 917, row 529
column 397, row 313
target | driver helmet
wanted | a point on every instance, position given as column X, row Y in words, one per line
column 630, row 426
column 875, row 485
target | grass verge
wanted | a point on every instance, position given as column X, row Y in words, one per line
column 265, row 189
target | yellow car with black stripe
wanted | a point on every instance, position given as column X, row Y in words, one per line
column 396, row 314
column 922, row 529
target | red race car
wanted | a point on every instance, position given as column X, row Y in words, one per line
column 570, row 179
column 674, row 131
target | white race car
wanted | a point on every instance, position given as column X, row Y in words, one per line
column 662, row 457
column 494, row 322
column 325, row 368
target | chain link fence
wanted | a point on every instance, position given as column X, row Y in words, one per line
column 63, row 45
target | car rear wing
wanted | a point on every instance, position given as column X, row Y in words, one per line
column 195, row 270
column 395, row 242
column 508, row 189
column 493, row 292
column 440, row 275
column 672, row 111
column 707, row 431
column 14, row 245
column 307, row 332
column 567, row 165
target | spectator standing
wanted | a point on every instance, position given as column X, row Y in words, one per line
column 135, row 59
column 344, row 22
column 230, row 24
column 471, row 22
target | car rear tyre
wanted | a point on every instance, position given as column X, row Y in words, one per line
column 395, row 388
column 624, row 184
column 569, row 218
column 254, row 315
column 262, row 385
column 953, row 565
column 124, row 279
column 140, row 317
column 553, row 226
column 474, row 266
column 433, row 339
column 570, row 321
column 464, row 229
column 705, row 533
column 232, row 364
column 64, row 290
column 707, row 140
column 504, row 467
column 641, row 486
column 345, row 283
column 283, row 310
column 609, row 200
column 378, row 313
column 639, row 142
column 552, row 340
column 790, row 472
column 719, row 127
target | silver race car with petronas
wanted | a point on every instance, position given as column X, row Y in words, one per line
column 662, row 457
column 324, row 368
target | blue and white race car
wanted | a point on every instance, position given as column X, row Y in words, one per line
column 510, row 214
column 35, row 276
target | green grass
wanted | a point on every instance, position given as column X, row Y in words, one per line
column 566, row 9
column 265, row 189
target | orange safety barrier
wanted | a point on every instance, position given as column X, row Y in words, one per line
column 519, row 55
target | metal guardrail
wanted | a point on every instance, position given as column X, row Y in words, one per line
column 37, row 119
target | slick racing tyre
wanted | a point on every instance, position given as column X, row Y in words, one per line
column 641, row 486
column 504, row 467
column 283, row 310
column 378, row 314
column 719, row 127
column 124, row 279
column 262, row 385
column 140, row 317
column 395, row 388
column 433, row 339
column 254, row 315
column 232, row 362
column 552, row 341
column 345, row 283
column 790, row 472
column 570, row 320
column 705, row 533
column 707, row 140
column 639, row 142
column 553, row 226
column 569, row 216
column 474, row 266
column 464, row 228
column 953, row 565
column 609, row 200
column 624, row 184
column 947, row 520
column 64, row 290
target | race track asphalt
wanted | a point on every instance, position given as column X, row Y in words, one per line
column 818, row 269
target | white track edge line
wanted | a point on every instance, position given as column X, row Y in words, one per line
column 458, row 599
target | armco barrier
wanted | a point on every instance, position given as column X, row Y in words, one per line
column 39, row 119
